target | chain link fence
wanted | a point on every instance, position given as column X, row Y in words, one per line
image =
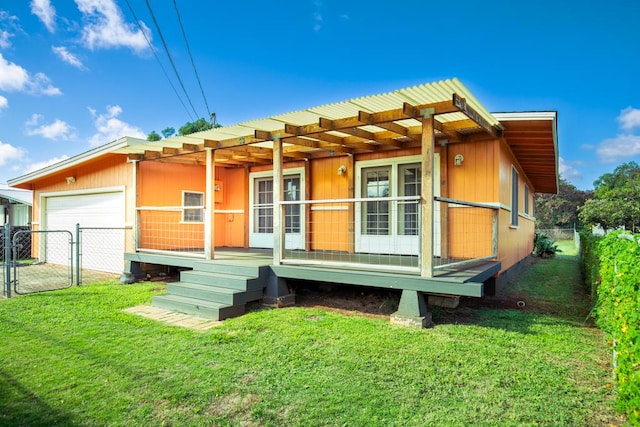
column 45, row 260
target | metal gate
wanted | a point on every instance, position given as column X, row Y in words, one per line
column 46, row 260
column 46, row 266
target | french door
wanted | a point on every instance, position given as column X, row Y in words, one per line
column 393, row 226
column 261, row 212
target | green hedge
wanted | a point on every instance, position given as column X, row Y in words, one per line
column 612, row 268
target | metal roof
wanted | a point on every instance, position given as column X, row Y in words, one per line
column 23, row 197
column 385, row 121
column 428, row 93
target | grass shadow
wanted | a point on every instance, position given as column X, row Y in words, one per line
column 20, row 406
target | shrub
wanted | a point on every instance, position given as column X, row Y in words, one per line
column 544, row 246
column 618, row 311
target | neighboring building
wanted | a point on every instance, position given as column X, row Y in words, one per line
column 15, row 207
column 420, row 189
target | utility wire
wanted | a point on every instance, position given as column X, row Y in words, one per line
column 193, row 64
column 166, row 49
column 158, row 60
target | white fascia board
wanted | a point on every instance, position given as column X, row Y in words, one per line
column 119, row 145
column 526, row 115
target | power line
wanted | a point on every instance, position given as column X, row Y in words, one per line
column 166, row 49
column 184, row 36
column 158, row 60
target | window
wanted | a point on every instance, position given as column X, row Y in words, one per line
column 526, row 199
column 264, row 204
column 410, row 177
column 264, row 208
column 195, row 214
column 376, row 184
column 515, row 181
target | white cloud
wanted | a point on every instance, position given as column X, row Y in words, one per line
column 46, row 12
column 624, row 145
column 67, row 56
column 105, row 27
column 317, row 16
column 57, row 130
column 621, row 147
column 568, row 172
column 10, row 154
column 8, row 26
column 40, row 84
column 5, row 43
column 4, row 102
column 629, row 118
column 15, row 78
column 111, row 128
column 12, row 76
column 39, row 165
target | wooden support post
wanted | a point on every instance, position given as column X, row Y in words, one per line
column 426, row 238
column 351, row 213
column 210, row 206
column 444, row 192
column 278, row 229
column 306, row 208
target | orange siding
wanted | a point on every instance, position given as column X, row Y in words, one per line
column 330, row 228
column 162, row 184
column 514, row 243
column 231, row 227
column 469, row 229
column 475, row 179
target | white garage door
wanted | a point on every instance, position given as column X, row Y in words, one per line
column 102, row 248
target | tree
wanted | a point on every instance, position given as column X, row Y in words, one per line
column 153, row 136
column 192, row 127
column 560, row 210
column 168, row 132
column 616, row 200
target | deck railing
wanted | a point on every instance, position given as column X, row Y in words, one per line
column 171, row 229
column 469, row 232
column 381, row 233
column 384, row 233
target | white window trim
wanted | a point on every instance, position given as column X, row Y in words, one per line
column 185, row 207
column 269, row 174
column 515, row 204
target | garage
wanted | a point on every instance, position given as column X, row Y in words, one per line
column 101, row 218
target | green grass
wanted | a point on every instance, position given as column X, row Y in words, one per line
column 73, row 357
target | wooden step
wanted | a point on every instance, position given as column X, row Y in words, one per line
column 207, row 292
column 221, row 280
column 198, row 307
column 231, row 268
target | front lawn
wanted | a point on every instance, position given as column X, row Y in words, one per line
column 73, row 357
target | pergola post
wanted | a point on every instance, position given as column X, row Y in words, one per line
column 426, row 237
column 278, row 229
column 210, row 206
column 277, row 293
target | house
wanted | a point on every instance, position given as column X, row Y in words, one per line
column 15, row 207
column 421, row 189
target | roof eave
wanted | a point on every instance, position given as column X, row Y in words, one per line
column 538, row 116
column 109, row 148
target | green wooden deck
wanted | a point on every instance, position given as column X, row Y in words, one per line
column 465, row 280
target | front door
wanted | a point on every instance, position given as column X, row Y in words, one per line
column 393, row 226
column 261, row 214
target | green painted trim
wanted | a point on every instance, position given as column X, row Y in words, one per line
column 382, row 280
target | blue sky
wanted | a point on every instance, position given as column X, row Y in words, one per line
column 78, row 74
